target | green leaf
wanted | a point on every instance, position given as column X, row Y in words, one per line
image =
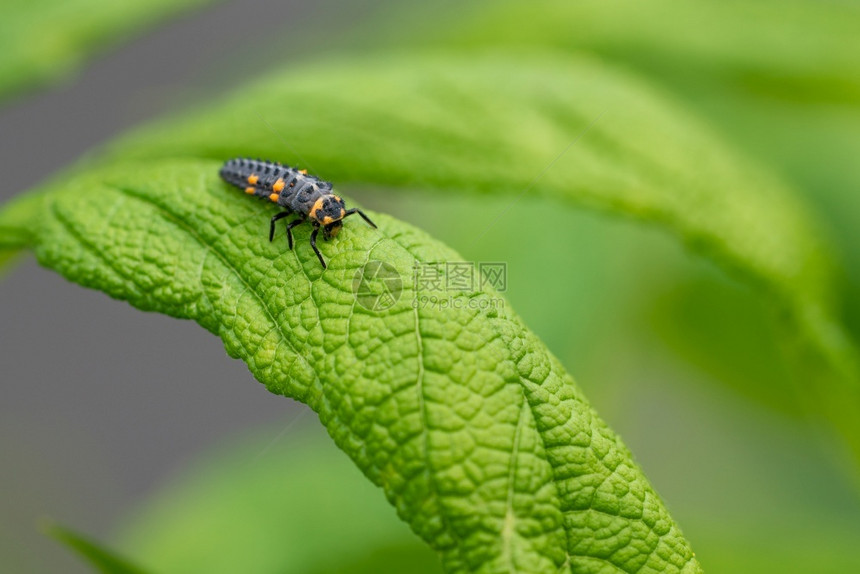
column 478, row 437
column 102, row 559
column 43, row 40
column 274, row 503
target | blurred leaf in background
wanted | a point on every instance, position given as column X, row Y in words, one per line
column 95, row 554
column 44, row 41
column 270, row 503
column 780, row 79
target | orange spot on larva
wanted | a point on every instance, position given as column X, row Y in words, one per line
column 253, row 179
column 316, row 207
column 278, row 185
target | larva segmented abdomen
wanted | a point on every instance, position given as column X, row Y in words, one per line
column 290, row 188
column 262, row 174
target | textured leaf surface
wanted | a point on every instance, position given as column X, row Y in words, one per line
column 43, row 39
column 482, row 442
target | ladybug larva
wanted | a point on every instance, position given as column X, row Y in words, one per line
column 307, row 196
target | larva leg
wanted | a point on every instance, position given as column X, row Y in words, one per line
column 290, row 226
column 361, row 213
column 314, row 245
column 275, row 219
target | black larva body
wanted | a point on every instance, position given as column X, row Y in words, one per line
column 297, row 192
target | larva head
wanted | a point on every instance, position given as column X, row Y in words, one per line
column 328, row 211
column 332, row 229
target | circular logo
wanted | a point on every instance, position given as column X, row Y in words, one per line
column 377, row 286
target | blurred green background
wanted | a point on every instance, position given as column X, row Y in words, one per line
column 686, row 363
